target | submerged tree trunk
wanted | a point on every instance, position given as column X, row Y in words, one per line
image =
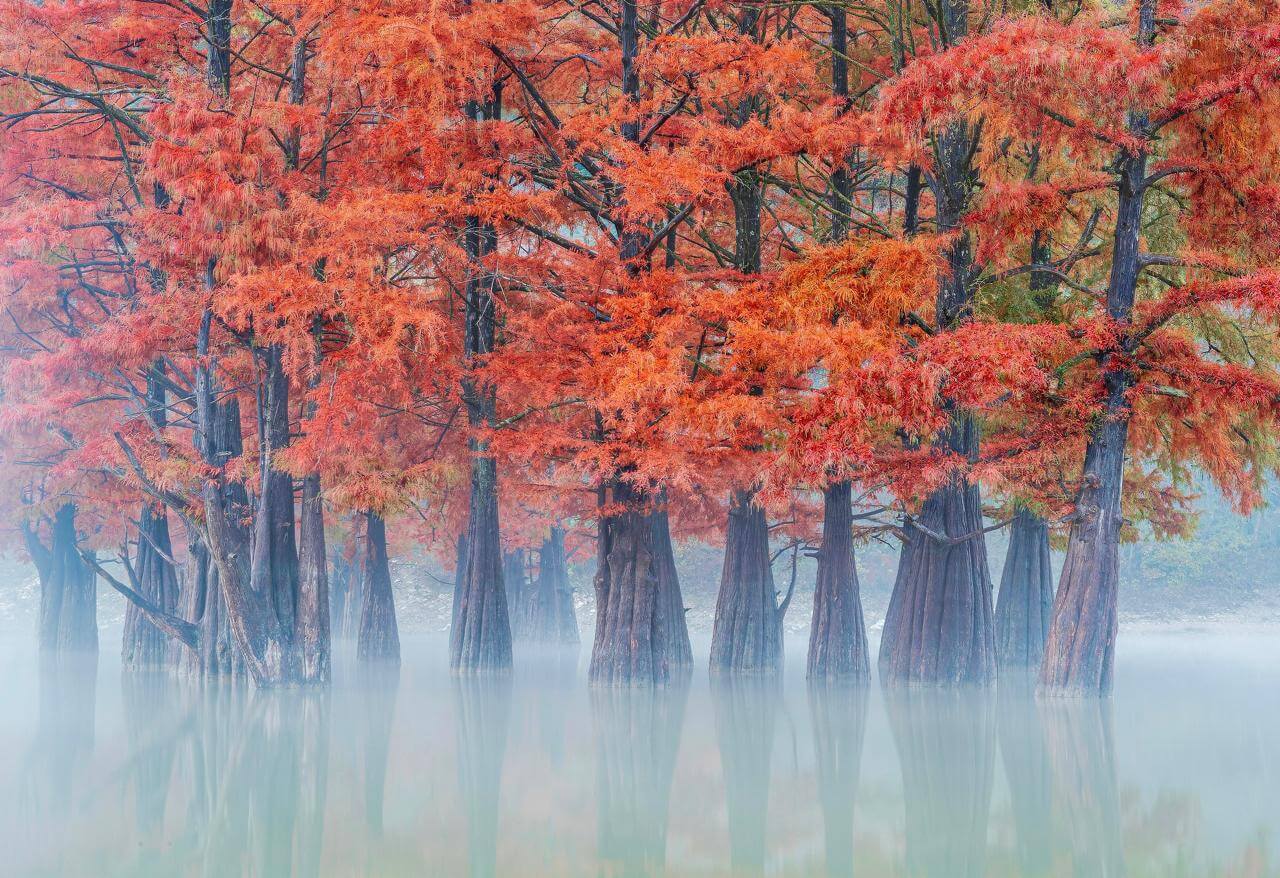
column 746, row 635
column 68, row 621
column 379, row 638
column 838, row 635
column 549, row 616
column 1080, row 650
column 636, row 638
column 939, row 625
column 1025, row 602
column 156, row 579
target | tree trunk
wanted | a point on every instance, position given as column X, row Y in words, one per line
column 143, row 644
column 68, row 620
column 946, row 746
column 313, row 586
column 549, row 615
column 1080, row 651
column 671, row 615
column 514, row 580
column 636, row 595
column 939, row 625
column 379, row 639
column 1025, row 601
column 839, row 727
column 746, row 711
column 746, row 636
column 837, row 635
column 637, row 736
column 345, row 580
column 480, row 636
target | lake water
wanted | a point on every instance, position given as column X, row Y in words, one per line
column 104, row 774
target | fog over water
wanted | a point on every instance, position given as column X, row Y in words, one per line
column 1178, row 774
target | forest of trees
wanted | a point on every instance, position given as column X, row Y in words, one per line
column 288, row 286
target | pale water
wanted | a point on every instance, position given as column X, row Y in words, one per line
column 104, row 774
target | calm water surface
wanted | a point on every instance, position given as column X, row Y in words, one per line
column 105, row 774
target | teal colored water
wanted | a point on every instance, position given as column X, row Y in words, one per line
column 111, row 774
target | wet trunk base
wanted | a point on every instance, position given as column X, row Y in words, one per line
column 837, row 634
column 379, row 637
column 480, row 635
column 68, row 621
column 1025, row 602
column 143, row 644
column 746, row 636
column 640, row 636
column 939, row 626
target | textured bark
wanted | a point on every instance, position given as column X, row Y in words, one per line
column 636, row 638
column 839, row 726
column 838, row 635
column 313, row 586
column 1082, row 752
column 482, row 714
column 1026, row 766
column 745, row 715
column 379, row 638
column 637, row 736
column 939, row 626
column 68, row 621
column 946, row 747
column 143, row 644
column 1080, row 651
column 346, row 581
column 549, row 615
column 480, row 635
column 1025, row 602
column 746, row 635
column 515, row 580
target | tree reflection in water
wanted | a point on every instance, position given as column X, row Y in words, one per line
column 637, row 736
column 1025, row 759
column 482, row 712
column 839, row 716
column 946, row 746
column 746, row 711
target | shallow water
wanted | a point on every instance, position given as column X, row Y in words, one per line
column 1178, row 774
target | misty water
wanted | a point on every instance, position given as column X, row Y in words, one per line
column 111, row 774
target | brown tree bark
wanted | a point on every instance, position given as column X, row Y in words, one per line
column 1025, row 602
column 379, row 638
column 636, row 597
column 515, row 581
column 838, row 635
column 480, row 636
column 1080, row 650
column 939, row 627
column 746, row 635
column 313, row 630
